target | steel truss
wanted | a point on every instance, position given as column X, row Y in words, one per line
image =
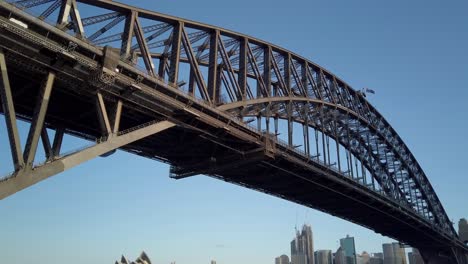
column 26, row 174
column 227, row 73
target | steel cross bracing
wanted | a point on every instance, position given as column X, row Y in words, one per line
column 234, row 78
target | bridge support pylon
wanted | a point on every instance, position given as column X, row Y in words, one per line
column 444, row 256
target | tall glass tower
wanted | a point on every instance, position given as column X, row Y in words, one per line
column 302, row 247
column 347, row 244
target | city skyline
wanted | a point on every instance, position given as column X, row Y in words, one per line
column 391, row 253
column 199, row 218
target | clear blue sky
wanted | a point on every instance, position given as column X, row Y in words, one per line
column 412, row 53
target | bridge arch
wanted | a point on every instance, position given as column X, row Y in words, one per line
column 328, row 119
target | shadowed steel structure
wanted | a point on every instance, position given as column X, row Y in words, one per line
column 207, row 101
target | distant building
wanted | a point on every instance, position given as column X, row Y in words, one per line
column 302, row 247
column 393, row 253
column 400, row 255
column 213, row 262
column 374, row 260
column 388, row 255
column 323, row 257
column 463, row 230
column 364, row 258
column 348, row 246
column 358, row 259
column 414, row 257
column 283, row 259
column 340, row 256
column 142, row 259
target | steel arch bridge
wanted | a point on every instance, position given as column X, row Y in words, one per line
column 186, row 93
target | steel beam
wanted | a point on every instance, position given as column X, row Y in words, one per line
column 175, row 52
column 117, row 116
column 229, row 69
column 68, row 9
column 436, row 255
column 287, row 74
column 57, row 144
column 30, row 3
column 145, row 53
column 127, row 35
column 213, row 88
column 261, row 88
column 162, row 68
column 105, row 28
column 10, row 115
column 242, row 76
column 194, row 66
column 38, row 120
column 65, row 7
column 102, row 115
column 99, row 18
column 289, row 110
column 47, row 12
column 267, row 70
column 26, row 178
column 46, row 143
column 76, row 18
column 191, row 84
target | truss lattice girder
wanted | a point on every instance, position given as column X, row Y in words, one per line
column 359, row 150
column 279, row 73
column 279, row 101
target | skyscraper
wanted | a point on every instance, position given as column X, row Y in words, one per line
column 302, row 247
column 376, row 258
column 388, row 255
column 298, row 253
column 463, row 230
column 323, row 257
column 349, row 248
column 340, row 257
column 400, row 256
column 283, row 259
column 394, row 253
